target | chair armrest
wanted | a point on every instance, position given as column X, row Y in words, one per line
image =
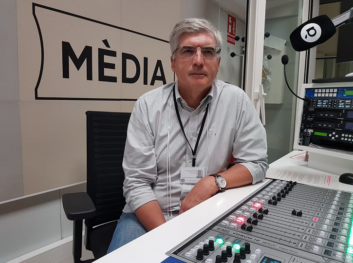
column 78, row 206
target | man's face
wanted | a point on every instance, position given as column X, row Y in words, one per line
column 197, row 72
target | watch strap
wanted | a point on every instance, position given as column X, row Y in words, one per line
column 221, row 189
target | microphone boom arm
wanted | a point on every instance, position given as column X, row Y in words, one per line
column 343, row 18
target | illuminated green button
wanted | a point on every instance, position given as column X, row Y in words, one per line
column 350, row 250
column 220, row 241
column 236, row 246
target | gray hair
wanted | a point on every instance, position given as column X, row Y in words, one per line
column 193, row 25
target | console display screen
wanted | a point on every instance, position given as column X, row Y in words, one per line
column 349, row 126
column 321, row 133
column 350, row 114
column 348, row 92
column 270, row 260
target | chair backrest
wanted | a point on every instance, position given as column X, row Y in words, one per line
column 106, row 137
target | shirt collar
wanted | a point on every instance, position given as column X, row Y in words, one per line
column 203, row 103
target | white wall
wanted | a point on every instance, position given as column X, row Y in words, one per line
column 279, row 117
column 230, row 68
column 11, row 183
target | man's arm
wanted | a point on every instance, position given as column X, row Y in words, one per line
column 236, row 176
column 140, row 169
column 250, row 151
column 150, row 215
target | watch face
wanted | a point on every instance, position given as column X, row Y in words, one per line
column 221, row 182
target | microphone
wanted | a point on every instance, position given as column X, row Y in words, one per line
column 285, row 60
column 312, row 33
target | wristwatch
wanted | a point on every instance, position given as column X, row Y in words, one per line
column 220, row 182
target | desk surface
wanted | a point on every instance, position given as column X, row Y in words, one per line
column 152, row 246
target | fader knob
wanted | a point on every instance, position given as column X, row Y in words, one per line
column 237, row 258
column 210, row 245
column 242, row 253
column 274, row 197
column 243, row 226
column 255, row 215
column 206, row 250
column 229, row 251
column 283, row 196
column 282, row 191
column 290, row 188
column 270, row 202
column 199, row 255
column 261, row 210
column 274, row 202
column 279, row 199
column 254, row 222
column 286, row 192
column 224, row 256
column 249, row 220
column 266, row 211
column 247, row 248
column 249, row 228
column 300, row 213
column 294, row 212
column 295, row 182
column 218, row 259
column 261, row 216
column 278, row 194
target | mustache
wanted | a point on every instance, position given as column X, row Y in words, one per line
column 197, row 73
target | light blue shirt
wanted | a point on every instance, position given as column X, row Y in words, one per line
column 156, row 148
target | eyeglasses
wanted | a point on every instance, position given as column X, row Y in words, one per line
column 208, row 52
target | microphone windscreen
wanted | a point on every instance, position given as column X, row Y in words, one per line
column 285, row 59
column 312, row 33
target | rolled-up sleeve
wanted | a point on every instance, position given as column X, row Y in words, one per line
column 250, row 146
column 139, row 162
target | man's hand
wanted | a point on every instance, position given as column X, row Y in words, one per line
column 203, row 190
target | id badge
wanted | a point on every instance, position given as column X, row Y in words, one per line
column 191, row 175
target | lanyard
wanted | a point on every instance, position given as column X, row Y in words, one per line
column 181, row 126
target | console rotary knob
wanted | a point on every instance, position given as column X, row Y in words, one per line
column 229, row 251
column 199, row 255
column 242, row 253
column 206, row 250
column 249, row 228
column 247, row 248
column 218, row 259
column 210, row 245
column 237, row 258
column 224, row 256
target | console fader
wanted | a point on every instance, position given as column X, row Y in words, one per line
column 282, row 222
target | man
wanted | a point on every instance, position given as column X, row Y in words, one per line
column 182, row 135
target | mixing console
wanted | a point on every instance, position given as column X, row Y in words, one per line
column 282, row 222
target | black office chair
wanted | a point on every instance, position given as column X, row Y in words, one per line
column 103, row 203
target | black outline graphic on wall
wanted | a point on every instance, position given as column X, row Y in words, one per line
column 34, row 5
